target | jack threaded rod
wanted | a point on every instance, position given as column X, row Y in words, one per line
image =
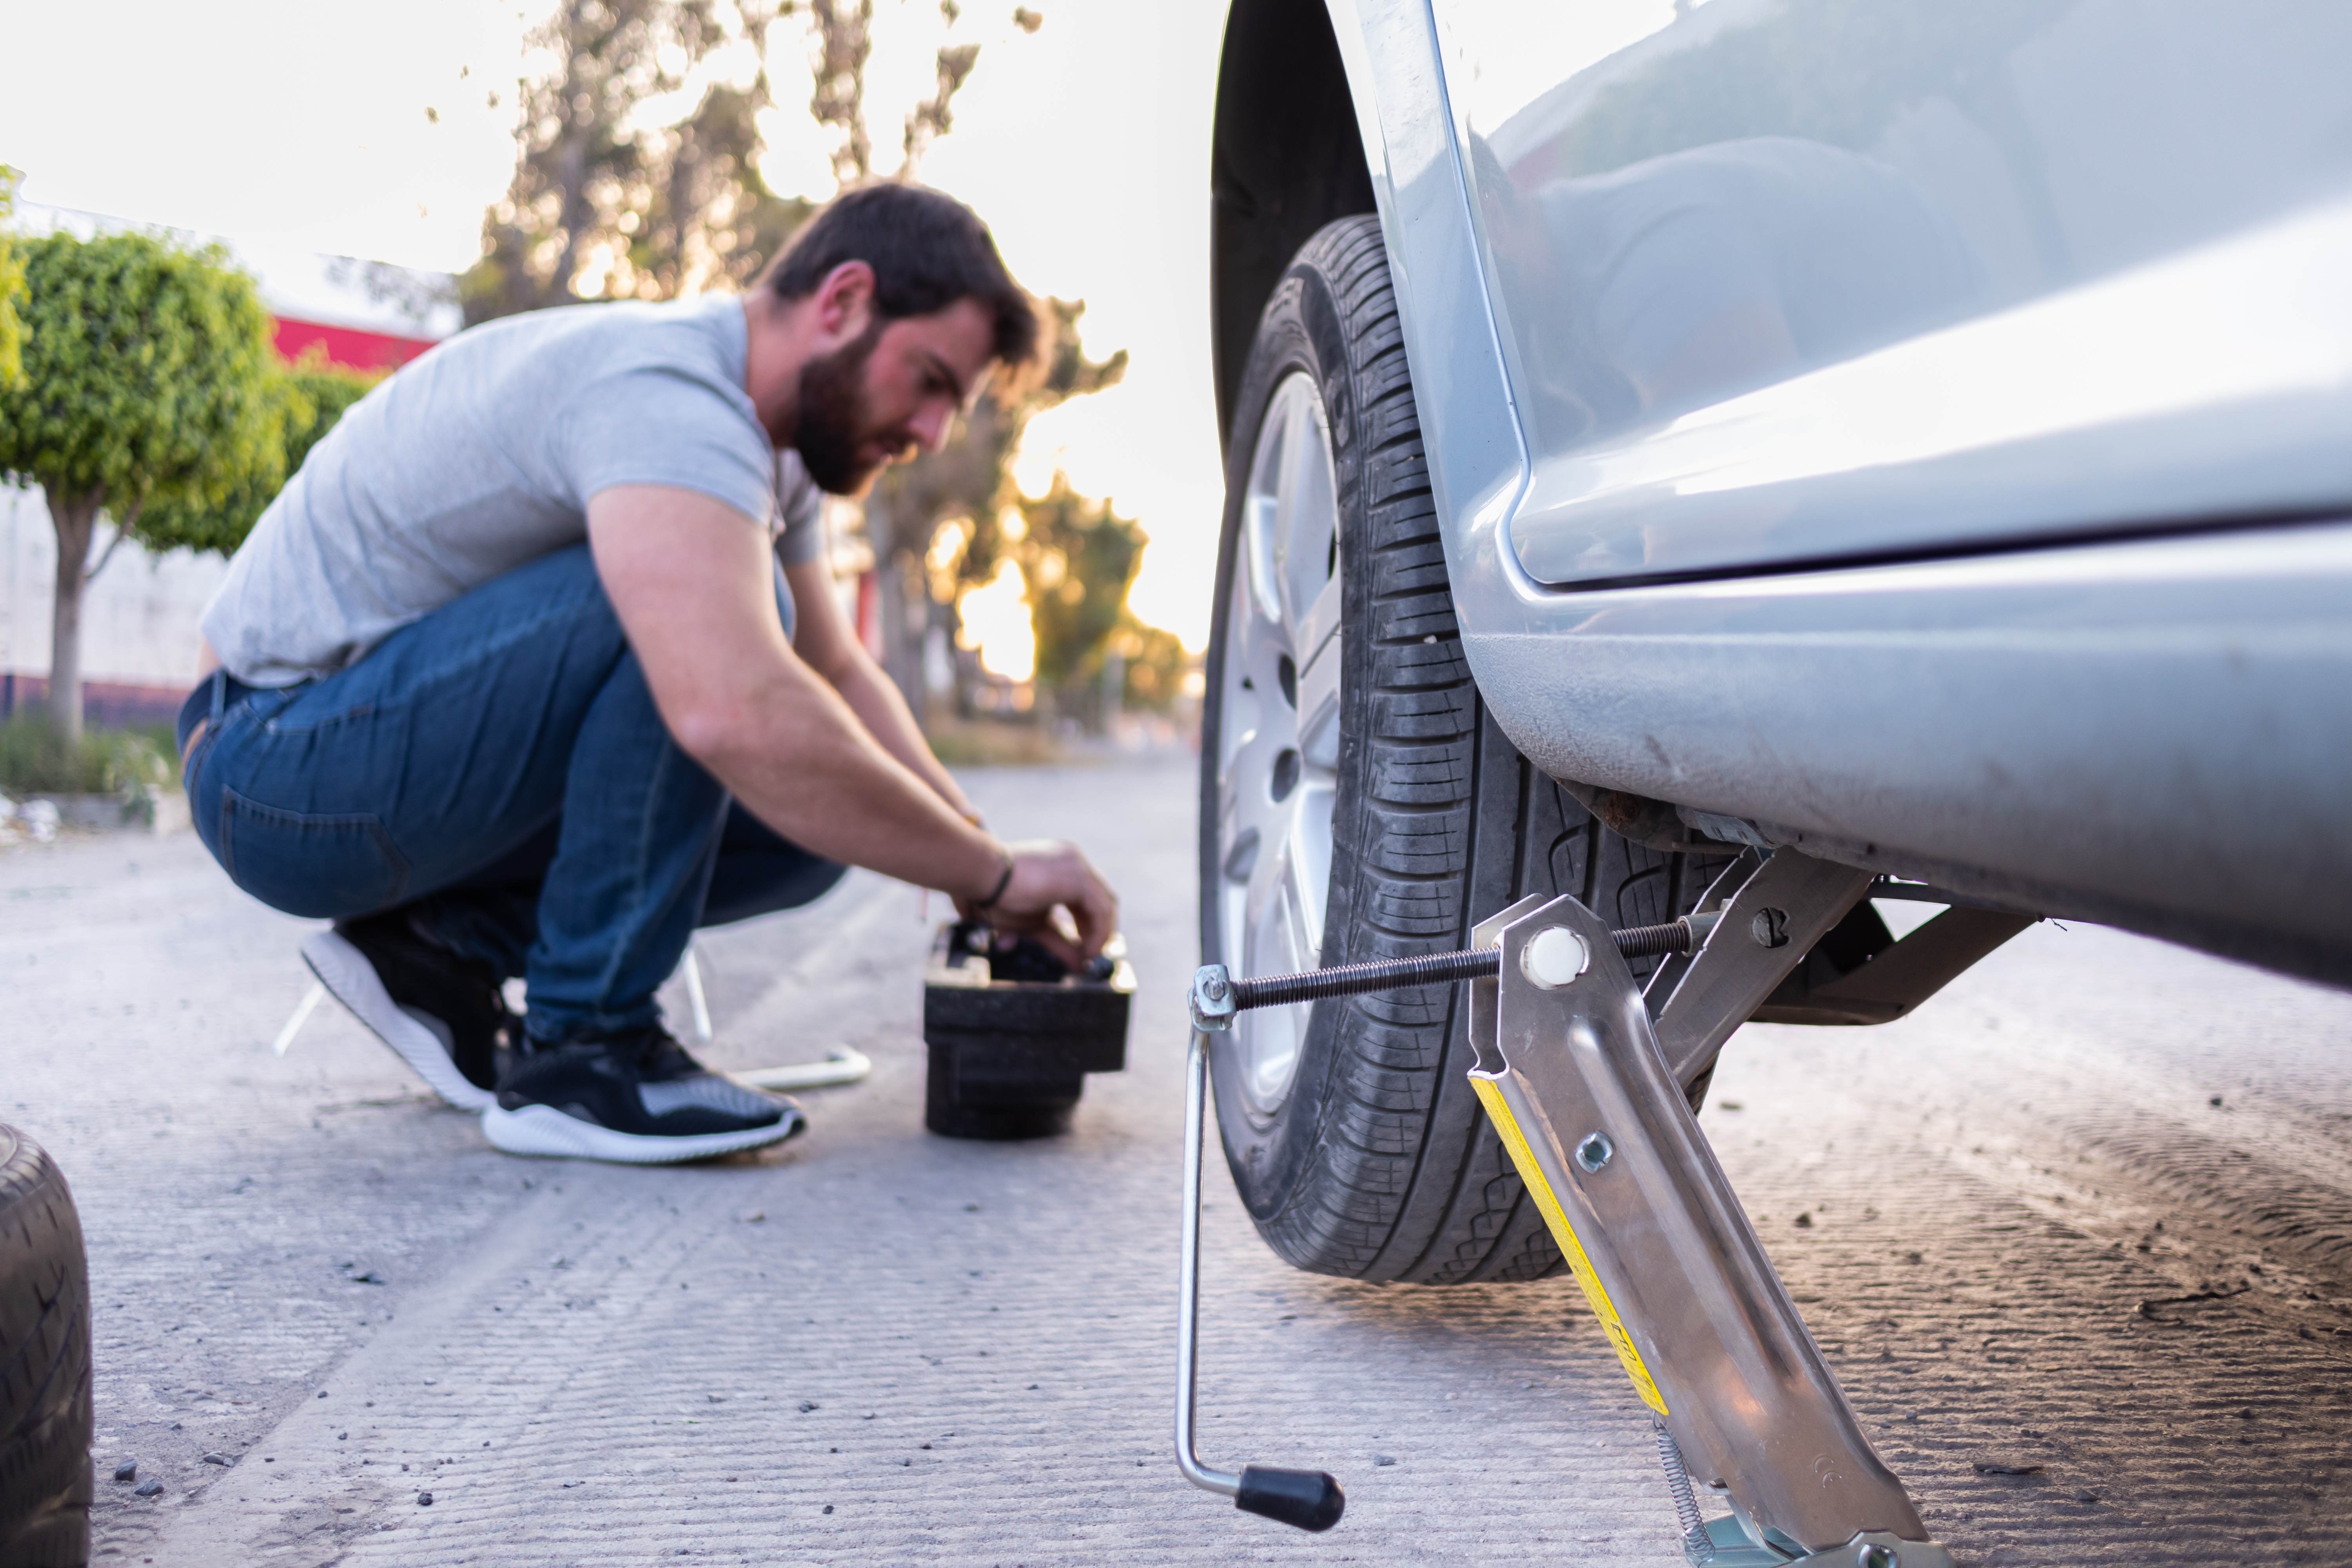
column 1433, row 969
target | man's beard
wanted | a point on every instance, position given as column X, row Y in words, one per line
column 832, row 427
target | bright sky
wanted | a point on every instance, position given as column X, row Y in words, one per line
column 301, row 123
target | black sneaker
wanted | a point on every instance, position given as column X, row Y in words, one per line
column 636, row 1099
column 443, row 1014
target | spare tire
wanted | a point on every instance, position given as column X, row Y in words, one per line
column 1357, row 802
column 44, row 1387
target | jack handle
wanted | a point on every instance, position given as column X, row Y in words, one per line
column 1307, row 1499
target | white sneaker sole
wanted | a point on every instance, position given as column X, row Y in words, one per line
column 542, row 1130
column 345, row 972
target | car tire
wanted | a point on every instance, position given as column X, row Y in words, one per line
column 1352, row 1133
column 45, row 1368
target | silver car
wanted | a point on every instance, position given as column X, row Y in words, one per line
column 1904, row 442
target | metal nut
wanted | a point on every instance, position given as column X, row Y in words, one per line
column 1869, row 1556
column 1595, row 1150
column 1770, row 928
column 1554, row 956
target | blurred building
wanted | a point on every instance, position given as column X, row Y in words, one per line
column 139, row 615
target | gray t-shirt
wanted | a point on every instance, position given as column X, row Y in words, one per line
column 481, row 457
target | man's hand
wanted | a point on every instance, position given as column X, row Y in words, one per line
column 1050, row 875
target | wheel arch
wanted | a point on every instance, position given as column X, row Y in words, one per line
column 1287, row 156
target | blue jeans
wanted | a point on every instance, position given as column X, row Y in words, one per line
column 498, row 770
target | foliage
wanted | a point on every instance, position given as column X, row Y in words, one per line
column 149, row 375
column 1156, row 665
column 841, row 38
column 315, row 395
column 12, row 290
column 608, row 204
column 35, row 760
column 1077, row 557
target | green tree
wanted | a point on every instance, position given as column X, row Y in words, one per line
column 1153, row 664
column 315, row 395
column 148, row 376
column 12, row 289
column 1078, row 558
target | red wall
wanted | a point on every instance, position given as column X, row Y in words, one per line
column 348, row 346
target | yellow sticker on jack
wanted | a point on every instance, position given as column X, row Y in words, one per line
column 1548, row 1203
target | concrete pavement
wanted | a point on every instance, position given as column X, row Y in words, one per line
column 878, row 1346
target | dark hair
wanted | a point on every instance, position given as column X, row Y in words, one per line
column 927, row 251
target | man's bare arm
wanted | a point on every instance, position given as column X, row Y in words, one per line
column 827, row 644
column 691, row 581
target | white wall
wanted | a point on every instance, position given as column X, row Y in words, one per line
column 138, row 619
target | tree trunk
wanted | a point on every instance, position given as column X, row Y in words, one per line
column 75, row 519
column 894, row 570
column 896, row 577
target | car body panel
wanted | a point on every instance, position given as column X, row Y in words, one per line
column 2149, row 731
column 1754, row 191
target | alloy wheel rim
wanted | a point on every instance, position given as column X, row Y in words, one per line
column 1279, row 729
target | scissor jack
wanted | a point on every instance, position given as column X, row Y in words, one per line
column 1592, row 1094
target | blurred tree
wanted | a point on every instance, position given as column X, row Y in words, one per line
column 148, row 376
column 968, row 482
column 1155, row 664
column 12, row 289
column 608, row 200
column 316, row 395
column 1078, row 558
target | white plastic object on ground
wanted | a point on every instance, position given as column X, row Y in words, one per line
column 844, row 1064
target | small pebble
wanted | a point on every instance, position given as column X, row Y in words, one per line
column 126, row 1471
column 1383, row 1458
column 807, row 1406
column 213, row 1459
column 828, row 1507
column 149, row 1487
column 342, row 1436
column 2086, row 1495
column 424, row 1500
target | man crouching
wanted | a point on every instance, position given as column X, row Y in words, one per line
column 535, row 666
